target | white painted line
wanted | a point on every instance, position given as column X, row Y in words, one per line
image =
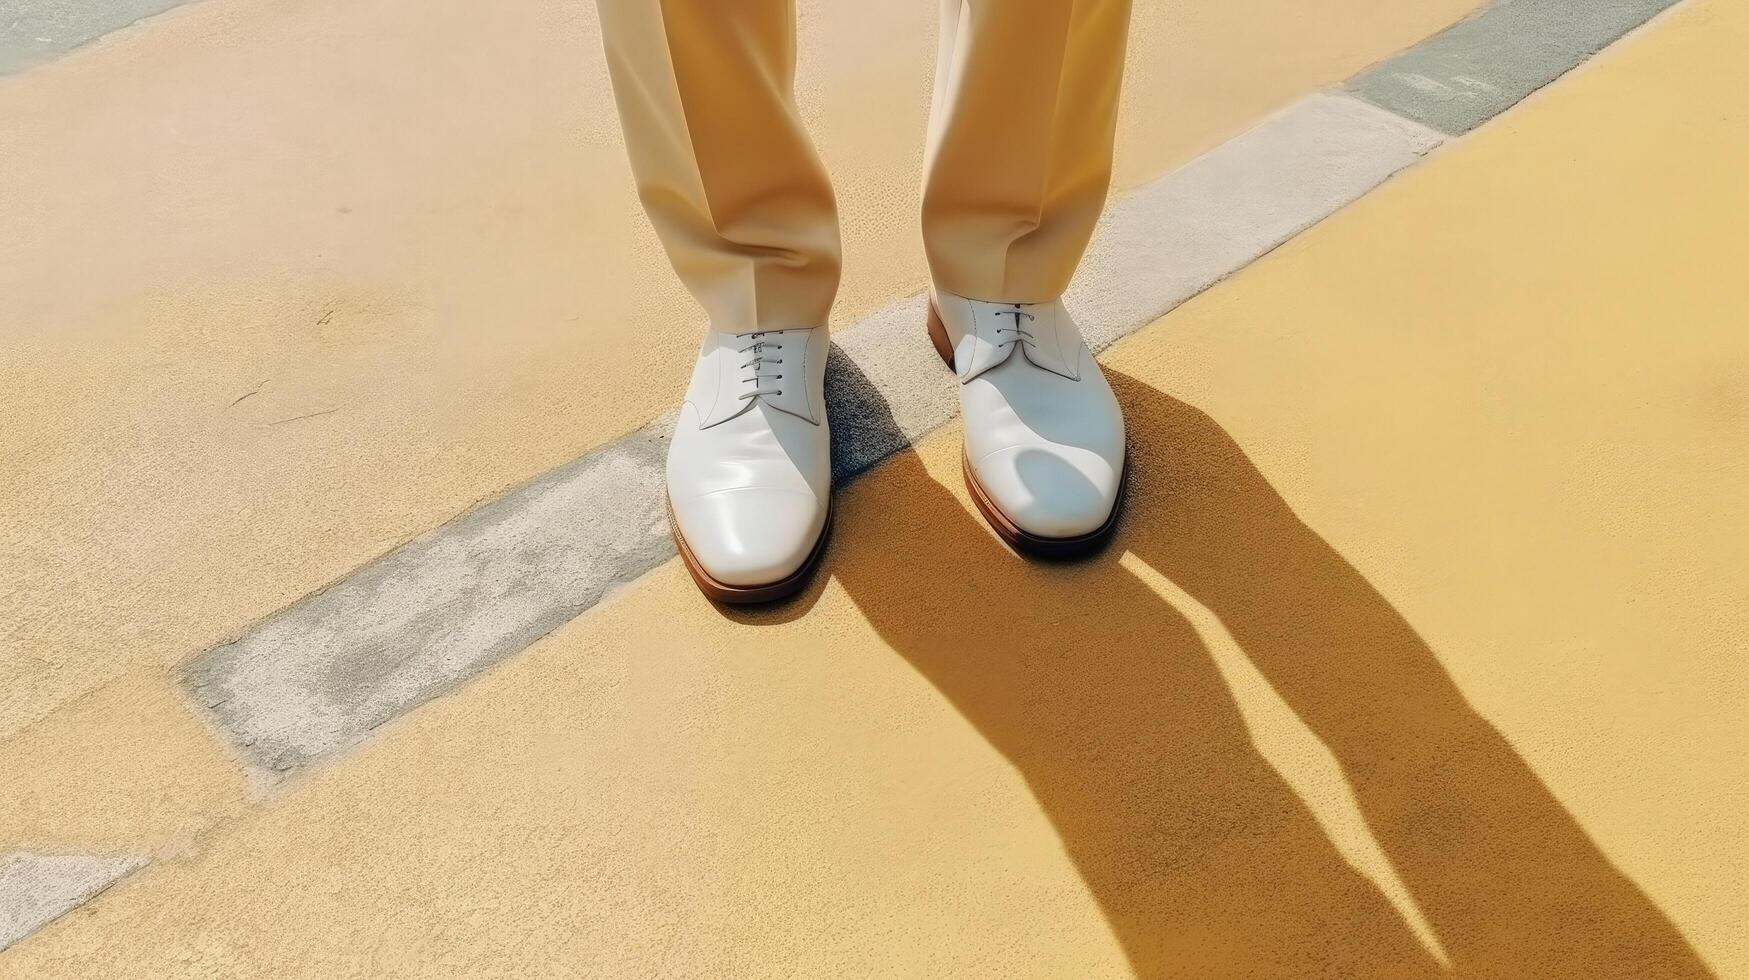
column 37, row 889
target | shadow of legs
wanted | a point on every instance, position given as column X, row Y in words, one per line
column 1509, row 881
column 1201, row 856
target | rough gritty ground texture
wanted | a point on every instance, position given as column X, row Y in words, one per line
column 1423, row 631
column 1416, row 494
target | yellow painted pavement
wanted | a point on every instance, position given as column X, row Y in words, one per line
column 287, row 283
column 1420, row 651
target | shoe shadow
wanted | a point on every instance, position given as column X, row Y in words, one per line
column 1202, row 856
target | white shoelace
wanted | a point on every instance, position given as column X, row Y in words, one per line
column 752, row 370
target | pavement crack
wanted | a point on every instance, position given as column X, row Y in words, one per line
column 252, row 391
column 299, row 418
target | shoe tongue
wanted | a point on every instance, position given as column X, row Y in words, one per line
column 978, row 352
column 983, row 341
column 787, row 394
column 1049, row 340
column 793, row 399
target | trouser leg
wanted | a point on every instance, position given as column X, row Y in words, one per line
column 1020, row 140
column 729, row 178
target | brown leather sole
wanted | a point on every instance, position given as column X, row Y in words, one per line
column 1005, row 528
column 741, row 595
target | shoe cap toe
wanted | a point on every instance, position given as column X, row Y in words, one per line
column 750, row 536
column 1050, row 491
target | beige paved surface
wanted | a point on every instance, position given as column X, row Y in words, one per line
column 1420, row 648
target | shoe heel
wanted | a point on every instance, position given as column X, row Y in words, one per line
column 938, row 337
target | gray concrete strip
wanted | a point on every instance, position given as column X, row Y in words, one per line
column 35, row 31
column 1199, row 224
column 1479, row 67
column 37, row 889
column 319, row 676
column 407, row 627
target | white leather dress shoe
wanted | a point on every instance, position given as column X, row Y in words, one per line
column 1044, row 451
column 749, row 467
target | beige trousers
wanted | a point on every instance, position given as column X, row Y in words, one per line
column 1016, row 166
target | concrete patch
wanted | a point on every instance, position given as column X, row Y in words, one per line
column 36, row 889
column 34, row 31
column 405, row 628
column 321, row 675
column 1476, row 69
